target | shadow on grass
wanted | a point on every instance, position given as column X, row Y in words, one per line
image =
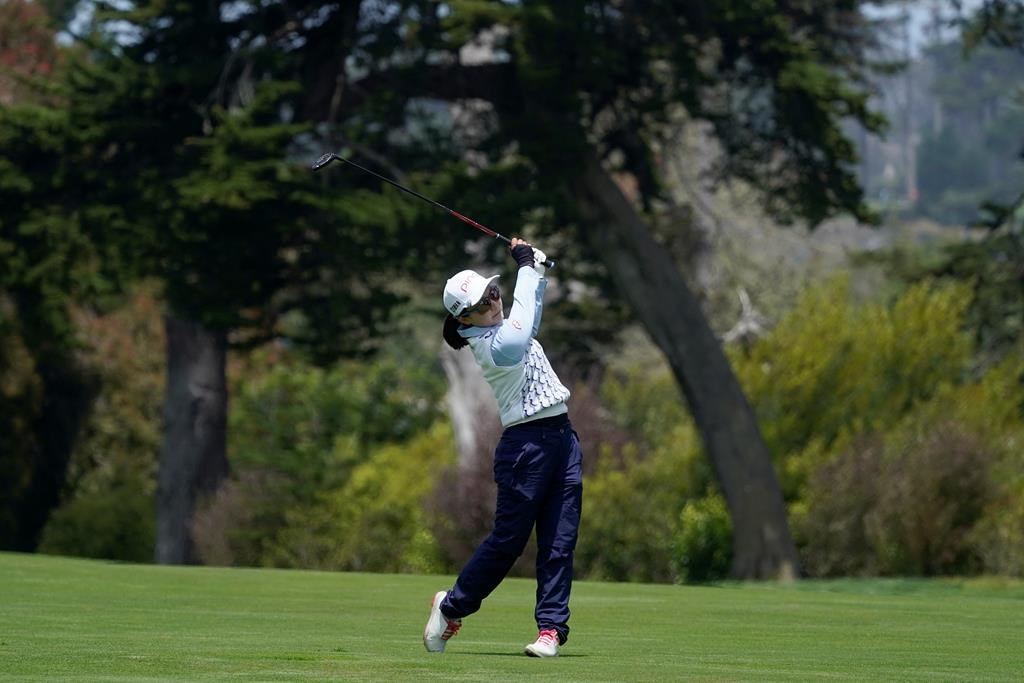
column 516, row 655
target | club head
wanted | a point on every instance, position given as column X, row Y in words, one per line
column 323, row 161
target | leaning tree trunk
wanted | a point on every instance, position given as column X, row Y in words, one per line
column 193, row 459
column 472, row 407
column 651, row 283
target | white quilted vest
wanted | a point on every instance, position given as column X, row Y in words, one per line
column 528, row 389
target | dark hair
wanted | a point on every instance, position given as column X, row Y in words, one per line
column 451, row 335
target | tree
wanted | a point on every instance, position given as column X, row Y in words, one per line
column 971, row 153
column 994, row 264
column 27, row 46
column 47, row 263
column 996, row 22
column 167, row 155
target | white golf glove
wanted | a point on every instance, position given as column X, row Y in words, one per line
column 539, row 257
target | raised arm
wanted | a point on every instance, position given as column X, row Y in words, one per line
column 512, row 341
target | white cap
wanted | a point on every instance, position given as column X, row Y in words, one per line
column 464, row 289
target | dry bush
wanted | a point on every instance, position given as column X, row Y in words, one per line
column 225, row 528
column 931, row 496
column 902, row 504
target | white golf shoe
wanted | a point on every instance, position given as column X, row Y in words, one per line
column 439, row 627
column 546, row 644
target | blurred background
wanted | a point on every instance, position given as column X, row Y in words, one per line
column 789, row 298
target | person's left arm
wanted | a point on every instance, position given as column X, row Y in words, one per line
column 513, row 339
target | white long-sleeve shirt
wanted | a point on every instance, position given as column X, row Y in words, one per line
column 513, row 361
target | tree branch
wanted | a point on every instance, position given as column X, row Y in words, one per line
column 450, row 82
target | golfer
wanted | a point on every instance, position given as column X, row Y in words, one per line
column 537, row 463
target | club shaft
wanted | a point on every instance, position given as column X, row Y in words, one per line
column 327, row 158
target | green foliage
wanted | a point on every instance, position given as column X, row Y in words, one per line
column 972, row 157
column 996, row 22
column 992, row 267
column 645, row 400
column 832, row 369
column 703, row 544
column 306, row 440
column 774, row 76
column 903, row 503
column 376, row 520
column 109, row 491
column 311, row 425
column 20, row 403
column 638, row 502
column 999, row 535
column 894, row 460
column 631, row 513
column 117, row 524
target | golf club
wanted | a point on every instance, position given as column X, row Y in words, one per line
column 330, row 156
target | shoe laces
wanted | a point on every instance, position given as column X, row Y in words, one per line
column 548, row 635
column 451, row 629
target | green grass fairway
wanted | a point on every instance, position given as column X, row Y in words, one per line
column 66, row 619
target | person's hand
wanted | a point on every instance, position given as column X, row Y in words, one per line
column 539, row 259
column 522, row 252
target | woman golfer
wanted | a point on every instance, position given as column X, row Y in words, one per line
column 537, row 464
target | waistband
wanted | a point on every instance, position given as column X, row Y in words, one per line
column 553, row 422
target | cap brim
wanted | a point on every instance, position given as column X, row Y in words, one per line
column 476, row 293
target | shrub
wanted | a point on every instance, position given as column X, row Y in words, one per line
column 118, row 525
column 234, row 526
column 702, row 550
column 299, row 433
column 631, row 513
column 376, row 521
column 833, row 369
column 109, row 507
column 901, row 503
column 312, row 425
column 998, row 539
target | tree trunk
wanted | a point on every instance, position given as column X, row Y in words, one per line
column 473, row 409
column 650, row 282
column 193, row 459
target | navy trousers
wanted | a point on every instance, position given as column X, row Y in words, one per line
column 538, row 469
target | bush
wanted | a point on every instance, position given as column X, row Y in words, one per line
column 703, row 542
column 118, row 525
column 312, row 425
column 109, row 509
column 235, row 525
column 374, row 521
column 630, row 514
column 377, row 520
column 904, row 503
column 832, row 369
column 299, row 434
column 998, row 539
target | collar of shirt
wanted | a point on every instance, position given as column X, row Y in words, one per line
column 474, row 331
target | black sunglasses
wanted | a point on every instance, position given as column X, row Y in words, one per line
column 492, row 294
